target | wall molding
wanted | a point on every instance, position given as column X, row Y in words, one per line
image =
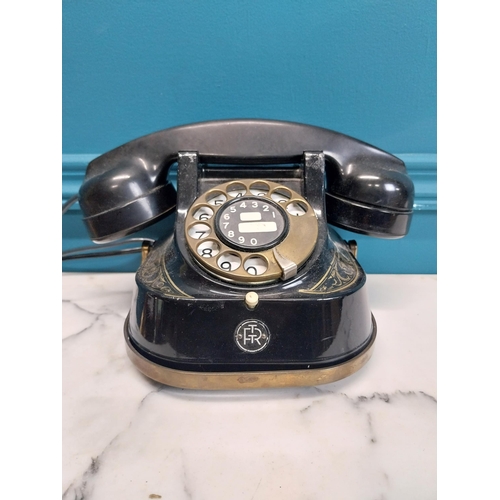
column 422, row 168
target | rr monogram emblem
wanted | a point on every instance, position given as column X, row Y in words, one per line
column 252, row 335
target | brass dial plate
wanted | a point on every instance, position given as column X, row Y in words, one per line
column 296, row 237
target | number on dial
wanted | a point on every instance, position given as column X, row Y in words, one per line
column 255, row 266
column 259, row 189
column 296, row 208
column 208, row 249
column 229, row 261
column 236, row 190
column 280, row 195
column 203, row 213
column 199, row 231
column 216, row 199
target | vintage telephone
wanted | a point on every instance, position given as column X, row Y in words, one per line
column 253, row 288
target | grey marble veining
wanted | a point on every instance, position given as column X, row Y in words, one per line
column 370, row 436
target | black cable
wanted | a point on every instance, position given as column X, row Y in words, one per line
column 69, row 203
column 108, row 244
column 101, row 254
column 81, row 252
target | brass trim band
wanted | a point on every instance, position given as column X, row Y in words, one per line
column 248, row 380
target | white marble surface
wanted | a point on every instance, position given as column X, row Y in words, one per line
column 371, row 436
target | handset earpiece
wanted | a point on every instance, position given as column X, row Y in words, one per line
column 126, row 189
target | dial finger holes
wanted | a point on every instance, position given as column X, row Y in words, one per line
column 255, row 266
column 199, row 231
column 216, row 198
column 208, row 249
column 203, row 213
column 236, row 190
column 229, row 261
column 259, row 188
column 296, row 208
column 281, row 195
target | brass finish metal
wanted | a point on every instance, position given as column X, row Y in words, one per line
column 341, row 274
column 296, row 247
column 145, row 247
column 248, row 380
column 353, row 247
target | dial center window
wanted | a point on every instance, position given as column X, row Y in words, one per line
column 251, row 223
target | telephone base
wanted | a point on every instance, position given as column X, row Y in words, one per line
column 214, row 381
column 252, row 287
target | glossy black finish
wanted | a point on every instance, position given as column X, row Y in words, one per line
column 126, row 189
column 185, row 319
column 182, row 317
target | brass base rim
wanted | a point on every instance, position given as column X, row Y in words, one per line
column 216, row 381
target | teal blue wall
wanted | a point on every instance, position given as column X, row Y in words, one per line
column 364, row 68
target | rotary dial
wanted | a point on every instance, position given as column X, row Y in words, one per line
column 251, row 231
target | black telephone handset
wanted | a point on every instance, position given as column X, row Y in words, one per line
column 253, row 288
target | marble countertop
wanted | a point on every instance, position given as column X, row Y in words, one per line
column 370, row 436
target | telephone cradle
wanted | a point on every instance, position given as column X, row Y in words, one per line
column 253, row 287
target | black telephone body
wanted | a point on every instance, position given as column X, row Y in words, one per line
column 253, row 288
